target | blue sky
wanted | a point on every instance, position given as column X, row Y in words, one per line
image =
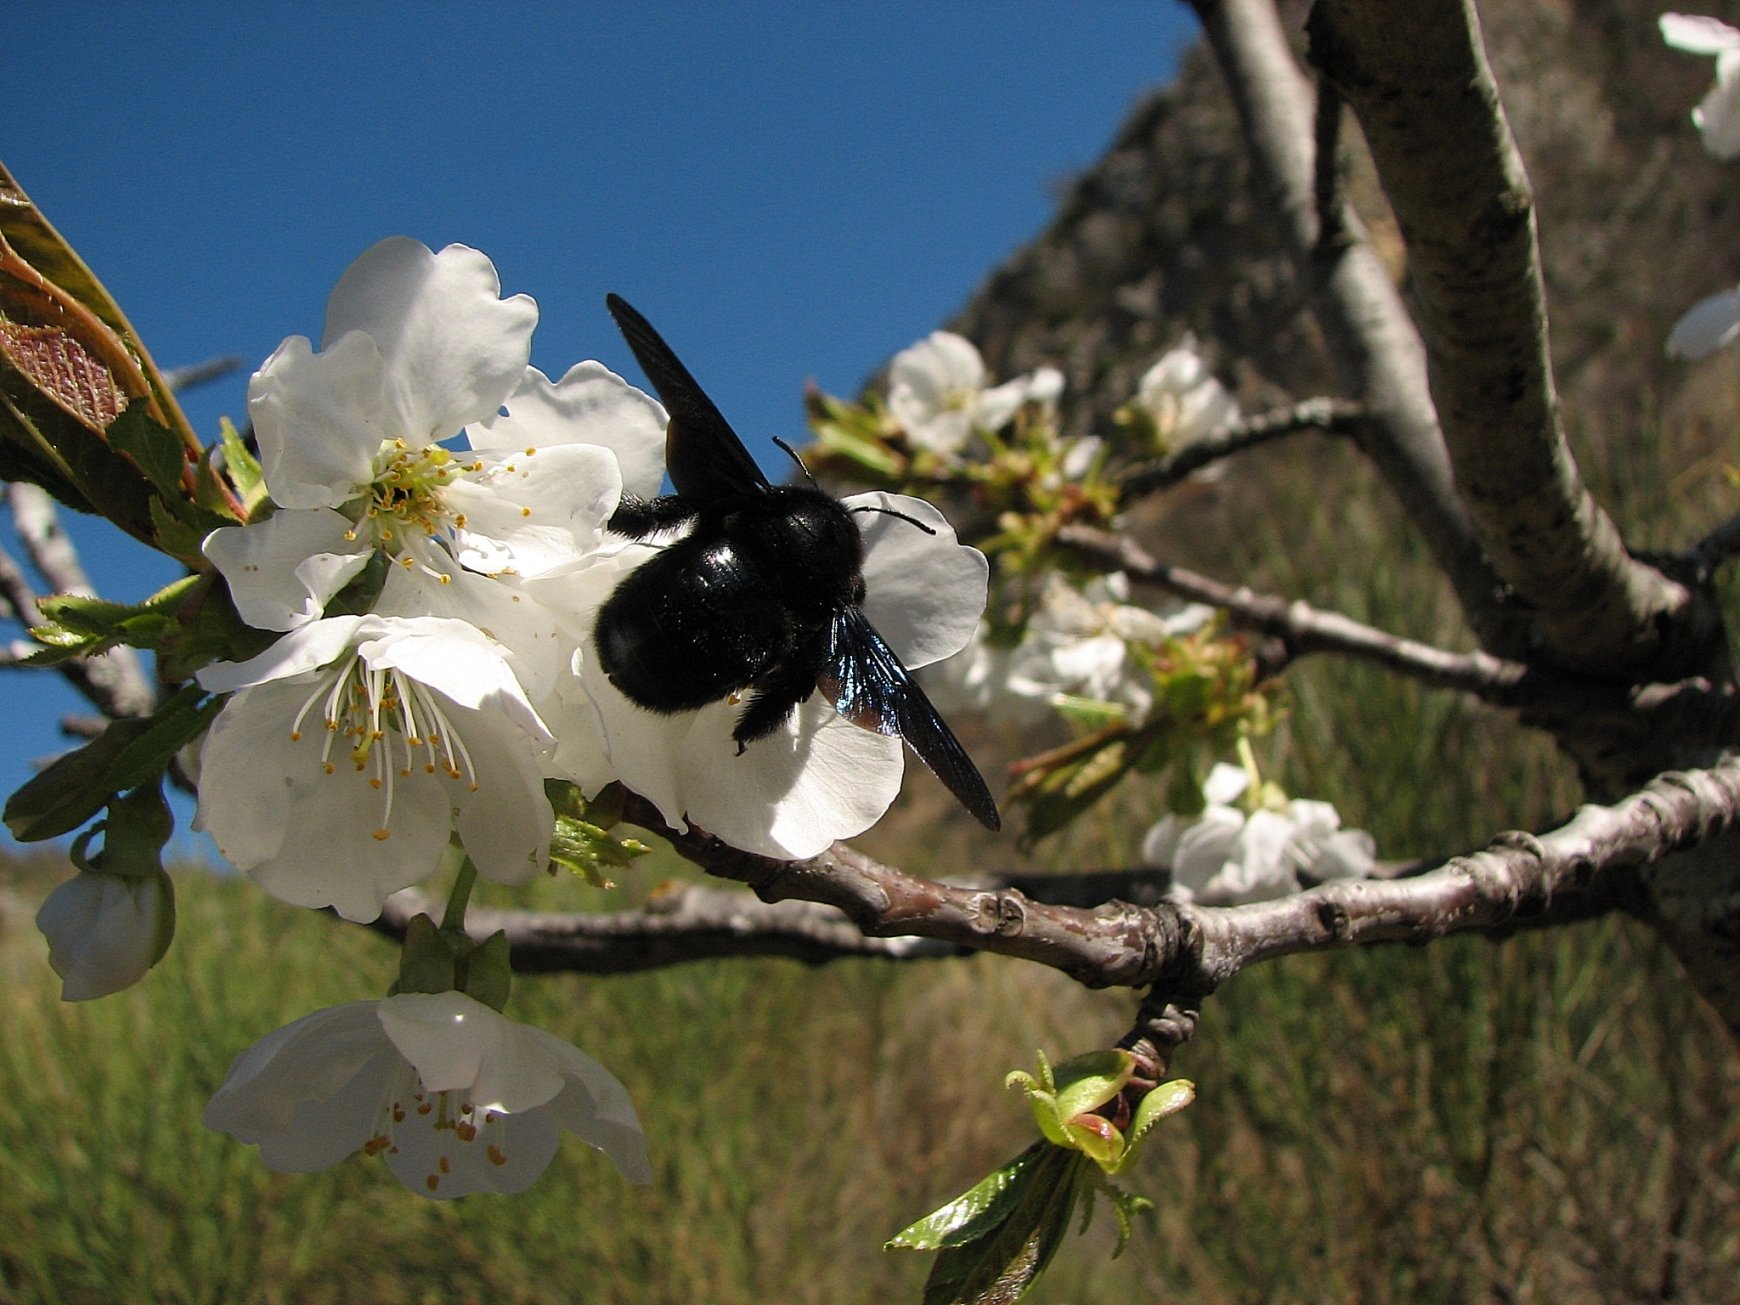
column 787, row 190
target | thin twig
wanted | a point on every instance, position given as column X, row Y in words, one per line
column 1306, row 629
column 1332, row 232
column 114, row 682
column 202, row 373
column 1323, row 415
column 1715, row 548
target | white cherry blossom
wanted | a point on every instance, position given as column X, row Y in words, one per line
column 936, row 390
column 1183, row 398
column 354, row 745
column 455, row 1097
column 1078, row 644
column 1718, row 115
column 1228, row 855
column 354, row 441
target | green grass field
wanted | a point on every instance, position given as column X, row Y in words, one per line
column 1546, row 1119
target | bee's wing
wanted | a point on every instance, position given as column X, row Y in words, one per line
column 869, row 687
column 705, row 459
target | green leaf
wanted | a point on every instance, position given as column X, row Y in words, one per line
column 870, row 454
column 1088, row 1081
column 152, row 446
column 71, row 367
column 242, row 466
column 998, row 1267
column 129, row 753
column 973, row 1213
column 1126, row 1206
column 71, row 789
column 175, row 724
column 1089, row 713
column 1166, row 1099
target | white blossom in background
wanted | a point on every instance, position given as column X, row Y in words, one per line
column 936, row 390
column 1183, row 398
column 1228, row 855
column 105, row 931
column 1713, row 322
column 1707, row 326
column 455, row 1097
column 1079, row 643
column 354, row 745
column 816, row 779
column 419, row 346
column 1718, row 115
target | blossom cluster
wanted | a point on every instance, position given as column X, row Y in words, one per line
column 1082, row 643
column 422, row 558
column 436, row 663
column 424, row 565
column 1250, row 843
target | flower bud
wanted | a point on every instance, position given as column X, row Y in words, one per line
column 105, row 931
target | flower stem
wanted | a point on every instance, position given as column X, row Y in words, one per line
column 457, row 900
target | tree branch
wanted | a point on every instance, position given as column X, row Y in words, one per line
column 1519, row 877
column 1369, row 332
column 1417, row 77
column 1327, row 416
column 1306, row 629
column 114, row 682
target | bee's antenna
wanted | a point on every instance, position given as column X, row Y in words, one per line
column 792, row 454
column 890, row 512
column 885, row 511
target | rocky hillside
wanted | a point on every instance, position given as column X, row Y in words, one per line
column 1164, row 236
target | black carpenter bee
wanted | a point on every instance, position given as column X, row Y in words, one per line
column 761, row 596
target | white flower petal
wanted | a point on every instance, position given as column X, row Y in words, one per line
column 1698, row 35
column 595, row 1106
column 282, row 571
column 535, row 512
column 997, row 407
column 817, row 779
column 590, row 405
column 307, row 1094
column 1348, row 854
column 1225, row 784
column 1259, row 867
column 303, row 649
column 933, row 390
column 1710, row 324
column 924, row 593
column 1202, row 852
column 320, row 418
column 1160, row 844
column 450, row 1038
column 454, row 349
column 1717, row 115
column 455, row 658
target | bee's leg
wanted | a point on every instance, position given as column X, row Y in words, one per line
column 638, row 517
column 779, row 693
